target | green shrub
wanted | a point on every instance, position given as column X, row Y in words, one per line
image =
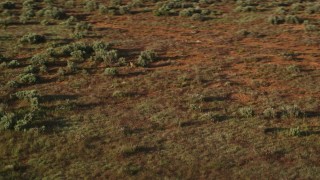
column 291, row 19
column 293, row 69
column 310, row 27
column 146, row 57
column 69, row 4
column 13, row 64
column 103, row 9
column 32, row 38
column 39, row 59
column 99, row 45
column 269, row 113
column 246, row 112
column 70, row 21
column 61, row 72
column 29, row 78
column 124, row 10
column 83, row 26
column 197, row 17
column 29, row 4
column 55, row 13
column 313, row 8
column 108, row 57
column 7, row 121
column 186, row 12
column 30, row 69
column 295, row 132
column 111, row 72
column 276, row 20
column 27, row 94
column 246, row 9
column 90, row 5
column 13, row 84
column 78, row 55
column 71, row 66
column 290, row 111
column 164, row 10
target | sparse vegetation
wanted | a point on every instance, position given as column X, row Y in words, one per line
column 208, row 89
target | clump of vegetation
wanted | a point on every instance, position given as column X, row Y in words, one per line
column 295, row 132
column 246, row 8
column 246, row 112
column 197, row 17
column 22, row 120
column 33, row 38
column 54, row 13
column 313, row 9
column 269, row 113
column 111, row 72
column 91, row 5
column 276, row 20
column 292, row 19
column 290, row 111
column 27, row 79
column 13, row 64
column 146, row 57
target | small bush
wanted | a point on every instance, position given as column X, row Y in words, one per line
column 246, row 112
column 146, row 57
column 108, row 57
column 124, row 10
column 78, row 55
column 13, row 64
column 30, row 69
column 197, row 17
column 29, row 78
column 99, row 45
column 289, row 111
column 13, row 84
column 55, row 13
column 269, row 113
column 312, row 9
column 246, row 9
column 295, row 132
column 26, row 94
column 71, row 66
column 276, row 20
column 32, row 38
column 291, row 19
column 186, row 12
column 39, row 59
column 111, row 72
column 91, row 6
column 61, row 72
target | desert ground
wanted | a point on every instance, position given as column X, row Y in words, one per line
column 159, row 89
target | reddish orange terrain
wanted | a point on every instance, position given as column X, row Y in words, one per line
column 153, row 89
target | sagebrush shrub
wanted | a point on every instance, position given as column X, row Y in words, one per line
column 269, row 113
column 290, row 111
column 13, row 64
column 111, row 72
column 28, row 79
column 197, row 17
column 246, row 112
column 32, row 38
column 55, row 13
column 291, row 19
column 146, row 57
column 91, row 5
